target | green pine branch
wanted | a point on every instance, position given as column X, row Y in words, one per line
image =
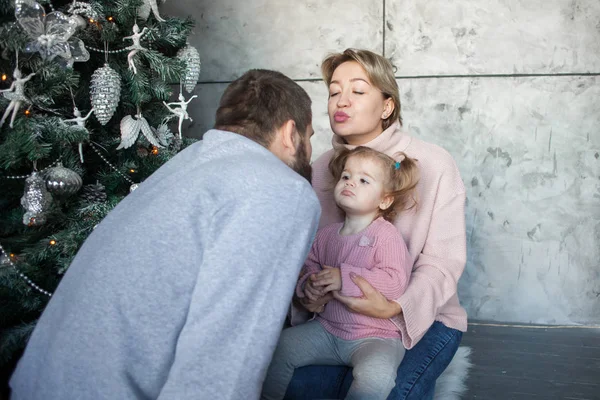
column 40, row 137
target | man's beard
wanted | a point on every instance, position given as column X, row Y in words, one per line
column 301, row 163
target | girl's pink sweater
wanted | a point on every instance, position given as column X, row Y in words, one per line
column 434, row 232
column 379, row 255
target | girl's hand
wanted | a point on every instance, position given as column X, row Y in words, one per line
column 329, row 279
column 310, row 291
column 316, row 306
column 316, row 298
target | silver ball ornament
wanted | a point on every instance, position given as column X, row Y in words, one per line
column 62, row 182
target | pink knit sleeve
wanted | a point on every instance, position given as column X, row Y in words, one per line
column 389, row 275
column 436, row 271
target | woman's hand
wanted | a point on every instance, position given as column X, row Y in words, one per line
column 372, row 303
column 328, row 280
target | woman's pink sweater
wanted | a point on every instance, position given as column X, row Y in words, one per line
column 434, row 232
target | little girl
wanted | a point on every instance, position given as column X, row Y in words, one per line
column 371, row 189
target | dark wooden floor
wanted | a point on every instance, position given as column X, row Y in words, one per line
column 533, row 363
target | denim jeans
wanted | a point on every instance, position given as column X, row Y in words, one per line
column 417, row 373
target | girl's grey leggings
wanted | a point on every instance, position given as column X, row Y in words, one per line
column 374, row 361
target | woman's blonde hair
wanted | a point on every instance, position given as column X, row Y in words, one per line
column 379, row 71
column 401, row 176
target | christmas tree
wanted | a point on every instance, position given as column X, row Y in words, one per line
column 84, row 95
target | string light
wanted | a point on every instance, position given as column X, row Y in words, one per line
column 52, row 242
column 154, row 150
column 3, row 77
column 27, row 112
column 110, row 19
column 132, row 170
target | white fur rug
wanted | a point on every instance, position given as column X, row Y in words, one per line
column 451, row 385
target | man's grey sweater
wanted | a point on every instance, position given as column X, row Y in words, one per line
column 181, row 291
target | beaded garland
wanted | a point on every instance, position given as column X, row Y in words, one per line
column 22, row 275
column 114, row 51
column 26, row 176
column 128, row 179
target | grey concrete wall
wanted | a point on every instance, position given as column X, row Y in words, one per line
column 511, row 88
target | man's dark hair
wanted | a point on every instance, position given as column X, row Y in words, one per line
column 261, row 101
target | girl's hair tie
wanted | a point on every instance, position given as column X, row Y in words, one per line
column 399, row 158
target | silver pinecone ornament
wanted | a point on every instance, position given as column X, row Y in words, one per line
column 105, row 93
column 94, row 193
column 62, row 182
column 191, row 58
column 176, row 144
column 36, row 200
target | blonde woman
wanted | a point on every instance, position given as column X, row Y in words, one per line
column 364, row 110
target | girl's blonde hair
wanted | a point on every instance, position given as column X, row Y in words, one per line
column 379, row 70
column 401, row 177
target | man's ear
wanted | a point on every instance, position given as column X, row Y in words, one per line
column 287, row 134
column 386, row 202
column 284, row 142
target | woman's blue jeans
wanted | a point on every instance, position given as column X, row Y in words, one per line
column 417, row 373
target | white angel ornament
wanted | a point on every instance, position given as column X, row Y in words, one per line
column 136, row 46
column 146, row 7
column 181, row 111
column 80, row 122
column 131, row 126
column 16, row 94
